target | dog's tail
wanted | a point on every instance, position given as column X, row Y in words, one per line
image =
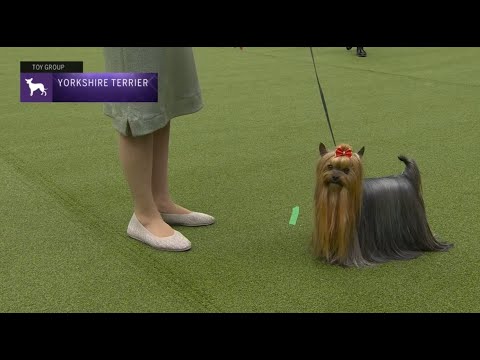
column 412, row 172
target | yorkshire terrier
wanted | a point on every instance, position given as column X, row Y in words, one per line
column 361, row 222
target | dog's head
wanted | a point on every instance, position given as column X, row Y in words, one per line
column 341, row 168
column 28, row 81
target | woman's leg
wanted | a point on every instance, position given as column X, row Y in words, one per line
column 136, row 156
column 172, row 213
column 159, row 180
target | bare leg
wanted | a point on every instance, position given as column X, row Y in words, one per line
column 136, row 156
column 159, row 179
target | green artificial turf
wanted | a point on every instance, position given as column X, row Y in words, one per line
column 247, row 158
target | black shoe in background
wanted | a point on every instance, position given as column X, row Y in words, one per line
column 348, row 48
column 361, row 52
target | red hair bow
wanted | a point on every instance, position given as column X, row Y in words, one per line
column 343, row 152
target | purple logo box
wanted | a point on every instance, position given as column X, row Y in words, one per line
column 90, row 87
column 36, row 87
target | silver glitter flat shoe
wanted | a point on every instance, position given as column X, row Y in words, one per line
column 175, row 242
column 191, row 219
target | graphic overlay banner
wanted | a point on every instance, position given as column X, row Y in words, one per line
column 51, row 66
column 48, row 82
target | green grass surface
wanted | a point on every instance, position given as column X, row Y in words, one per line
column 247, row 158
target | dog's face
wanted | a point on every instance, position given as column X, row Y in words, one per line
column 341, row 168
column 28, row 81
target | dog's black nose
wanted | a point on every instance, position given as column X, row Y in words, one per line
column 335, row 178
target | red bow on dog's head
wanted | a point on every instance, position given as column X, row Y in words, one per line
column 341, row 151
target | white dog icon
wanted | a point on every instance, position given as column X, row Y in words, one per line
column 36, row 86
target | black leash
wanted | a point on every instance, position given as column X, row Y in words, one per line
column 323, row 97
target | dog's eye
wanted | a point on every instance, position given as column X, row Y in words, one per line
column 346, row 171
column 330, row 167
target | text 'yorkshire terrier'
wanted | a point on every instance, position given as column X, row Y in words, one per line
column 361, row 221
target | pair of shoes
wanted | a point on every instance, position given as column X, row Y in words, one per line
column 175, row 242
column 361, row 52
column 191, row 219
column 348, row 48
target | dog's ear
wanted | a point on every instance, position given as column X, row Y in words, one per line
column 323, row 150
column 361, row 151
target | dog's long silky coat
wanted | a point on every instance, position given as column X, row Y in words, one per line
column 361, row 221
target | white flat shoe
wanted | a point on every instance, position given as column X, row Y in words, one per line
column 175, row 242
column 191, row 219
